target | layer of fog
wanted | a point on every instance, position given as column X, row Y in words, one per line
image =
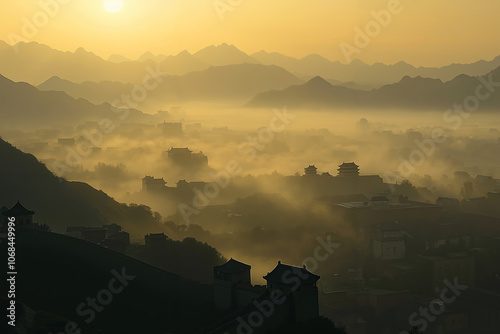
column 378, row 142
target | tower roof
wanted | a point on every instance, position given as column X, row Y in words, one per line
column 349, row 165
column 179, row 150
column 18, row 210
column 232, row 267
column 286, row 274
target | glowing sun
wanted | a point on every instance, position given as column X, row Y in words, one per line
column 113, row 6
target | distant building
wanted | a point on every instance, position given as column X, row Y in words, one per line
column 380, row 210
column 149, row 184
column 155, row 239
column 348, row 181
column 110, row 236
column 112, row 229
column 311, row 170
column 380, row 203
column 75, row 231
column 389, row 242
column 171, row 129
column 449, row 267
column 348, row 169
column 185, row 158
column 232, row 285
column 118, row 242
column 94, row 234
column 300, row 285
column 23, row 216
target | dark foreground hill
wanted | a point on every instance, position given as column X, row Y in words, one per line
column 61, row 278
column 59, row 203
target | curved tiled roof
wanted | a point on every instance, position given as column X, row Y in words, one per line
column 232, row 267
column 18, row 210
column 288, row 275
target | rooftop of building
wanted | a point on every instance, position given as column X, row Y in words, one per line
column 349, row 165
column 179, row 150
column 156, row 235
column 288, row 275
column 233, row 267
column 18, row 210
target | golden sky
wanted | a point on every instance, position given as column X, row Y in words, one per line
column 422, row 32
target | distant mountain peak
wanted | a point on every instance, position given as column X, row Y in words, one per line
column 318, row 82
column 148, row 54
column 184, row 53
column 81, row 50
column 357, row 61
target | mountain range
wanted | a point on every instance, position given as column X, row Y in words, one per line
column 376, row 74
column 36, row 63
column 24, row 105
column 228, row 82
column 408, row 93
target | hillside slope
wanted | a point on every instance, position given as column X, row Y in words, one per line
column 57, row 273
column 60, row 203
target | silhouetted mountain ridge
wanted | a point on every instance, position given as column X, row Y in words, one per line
column 35, row 63
column 24, row 105
column 411, row 93
column 239, row 81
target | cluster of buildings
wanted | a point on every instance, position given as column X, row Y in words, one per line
column 347, row 181
column 290, row 295
column 184, row 158
column 110, row 236
column 153, row 185
column 406, row 255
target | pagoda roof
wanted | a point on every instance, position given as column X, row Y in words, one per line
column 284, row 274
column 183, row 150
column 161, row 235
column 18, row 210
column 348, row 164
column 232, row 267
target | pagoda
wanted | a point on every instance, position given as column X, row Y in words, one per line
column 22, row 215
column 311, row 170
column 348, row 169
